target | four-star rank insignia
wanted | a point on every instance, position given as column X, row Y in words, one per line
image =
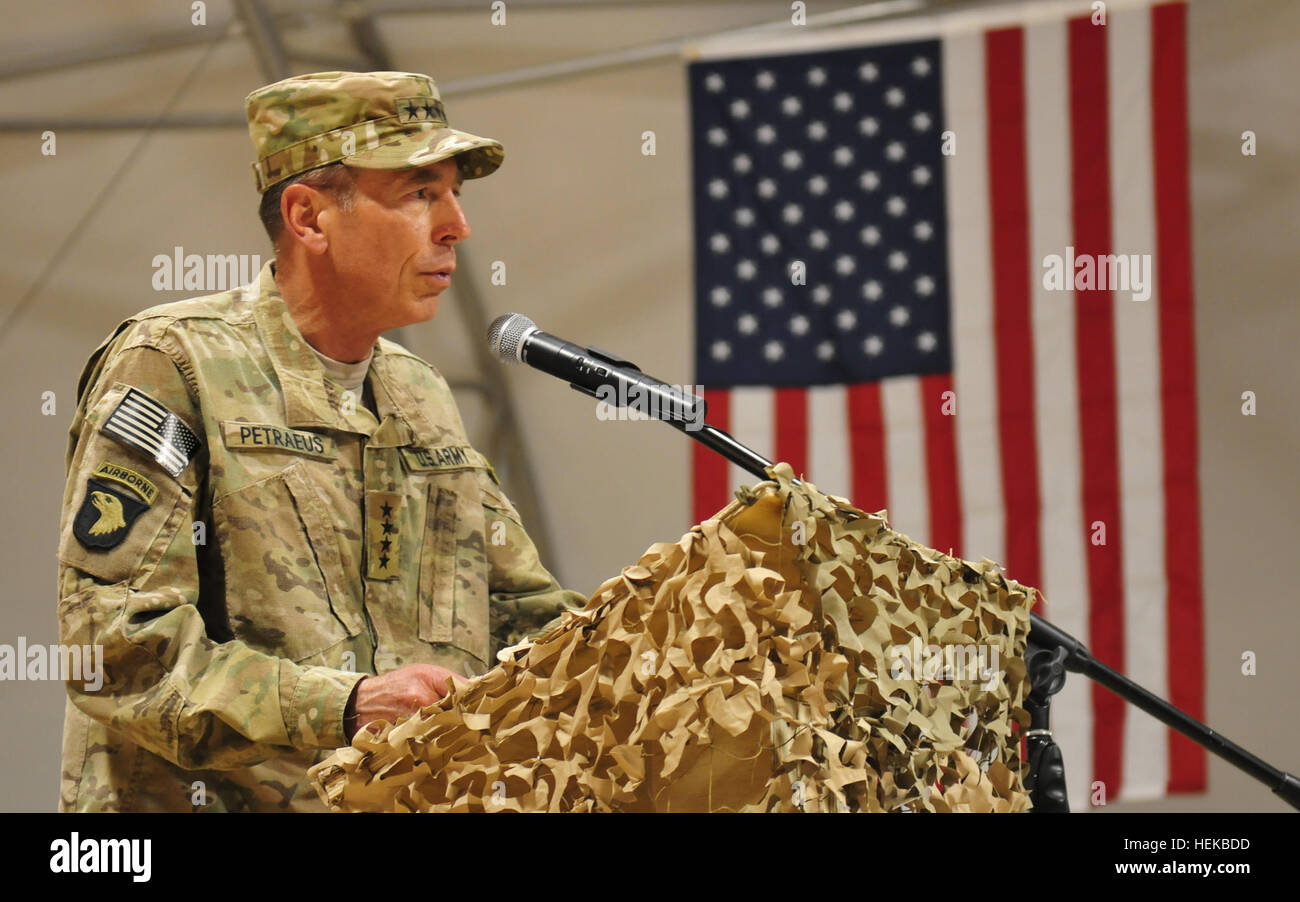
column 383, row 535
column 106, row 515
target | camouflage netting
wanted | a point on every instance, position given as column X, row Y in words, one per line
column 745, row 667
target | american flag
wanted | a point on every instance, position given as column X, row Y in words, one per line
column 871, row 224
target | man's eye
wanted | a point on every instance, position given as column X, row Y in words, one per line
column 420, row 193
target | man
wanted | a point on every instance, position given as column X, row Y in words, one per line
column 274, row 523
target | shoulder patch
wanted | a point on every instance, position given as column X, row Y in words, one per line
column 142, row 423
column 106, row 515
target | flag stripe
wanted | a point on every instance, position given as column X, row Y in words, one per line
column 1056, row 390
column 1137, row 354
column 710, row 469
column 1185, row 621
column 1094, row 323
column 909, row 509
column 870, row 483
column 972, row 299
column 941, row 462
column 829, row 444
column 790, row 414
column 1013, row 334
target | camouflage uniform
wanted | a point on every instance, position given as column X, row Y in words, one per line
column 246, row 540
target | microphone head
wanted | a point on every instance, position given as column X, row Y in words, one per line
column 506, row 336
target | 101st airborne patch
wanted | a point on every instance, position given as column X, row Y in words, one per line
column 108, row 512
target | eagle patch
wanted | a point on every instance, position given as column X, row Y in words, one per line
column 106, row 515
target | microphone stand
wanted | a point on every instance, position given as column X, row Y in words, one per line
column 1049, row 653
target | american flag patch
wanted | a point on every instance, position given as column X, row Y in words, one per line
column 141, row 422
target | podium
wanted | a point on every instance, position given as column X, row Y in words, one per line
column 792, row 653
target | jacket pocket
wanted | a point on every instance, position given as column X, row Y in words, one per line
column 285, row 588
column 453, row 603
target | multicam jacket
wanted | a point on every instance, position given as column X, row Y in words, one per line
column 246, row 540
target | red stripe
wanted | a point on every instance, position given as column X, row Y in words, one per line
column 1004, row 73
column 867, row 447
column 1095, row 350
column 790, row 409
column 710, row 483
column 938, row 412
column 1185, row 617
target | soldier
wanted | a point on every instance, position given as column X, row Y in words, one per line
column 274, row 523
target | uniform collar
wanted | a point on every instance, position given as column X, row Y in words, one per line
column 302, row 377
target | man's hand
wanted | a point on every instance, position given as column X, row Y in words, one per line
column 397, row 694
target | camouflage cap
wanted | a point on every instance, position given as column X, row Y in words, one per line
column 371, row 120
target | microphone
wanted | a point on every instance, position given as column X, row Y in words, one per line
column 514, row 338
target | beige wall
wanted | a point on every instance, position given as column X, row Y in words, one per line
column 597, row 242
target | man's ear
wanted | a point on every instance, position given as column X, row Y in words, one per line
column 300, row 209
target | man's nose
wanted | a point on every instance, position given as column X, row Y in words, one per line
column 452, row 225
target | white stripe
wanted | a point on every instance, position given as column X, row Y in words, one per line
column 828, row 440
column 908, row 485
column 751, row 425
column 971, row 281
column 153, row 417
column 145, row 403
column 1137, row 356
column 1065, row 578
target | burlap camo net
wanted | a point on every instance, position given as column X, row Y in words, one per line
column 744, row 668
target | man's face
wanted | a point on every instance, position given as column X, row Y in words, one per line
column 394, row 251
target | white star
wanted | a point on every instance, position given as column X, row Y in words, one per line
column 717, row 136
column 817, row 76
column 792, row 159
column 895, row 150
column 843, row 155
column 769, row 243
column 799, row 324
column 921, row 66
column 744, row 216
column 843, row 211
column 843, row 101
column 868, row 126
column 894, row 96
column 821, row 295
column 791, row 105
column 772, row 296
column 717, row 188
column 766, row 188
column 742, row 163
column 714, row 82
column 747, row 324
column 818, row 239
column 845, row 265
column 869, row 180
column 899, row 316
column 923, row 230
column 873, row 345
column 773, row 350
column 721, row 350
column 720, row 243
column 817, row 130
column 746, row 269
column 921, row 121
column 921, row 175
column 817, row 184
column 765, row 80
column 898, row 261
column 870, row 236
column 720, row 296
column 871, row 290
column 926, row 341
column 792, row 213
column 740, row 108
column 825, row 350
column 868, row 72
column 896, row 206
column 924, row 285
column 765, row 134
column 846, row 319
